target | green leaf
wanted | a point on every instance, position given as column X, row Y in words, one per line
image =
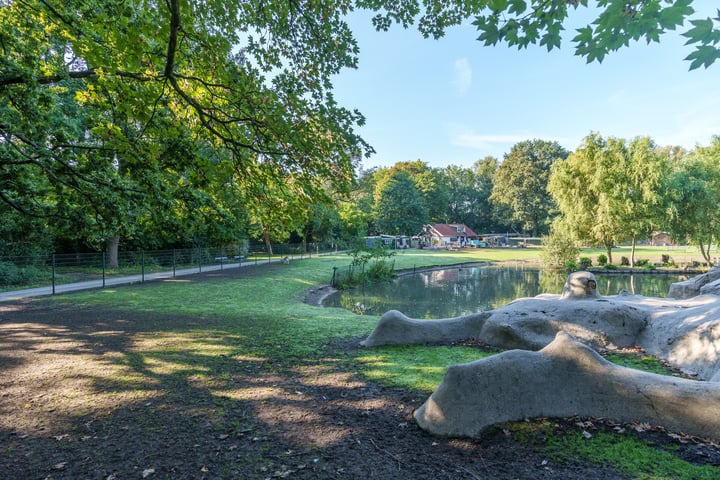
column 673, row 16
column 498, row 6
column 490, row 33
column 518, row 7
column 701, row 32
column 704, row 55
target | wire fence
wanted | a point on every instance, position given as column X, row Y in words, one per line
column 343, row 276
column 68, row 268
column 350, row 275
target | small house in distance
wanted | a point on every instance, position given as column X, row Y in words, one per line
column 448, row 235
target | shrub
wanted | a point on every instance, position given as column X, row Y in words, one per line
column 9, row 274
column 379, row 271
column 585, row 262
column 571, row 266
column 602, row 259
column 558, row 250
column 624, row 261
column 369, row 265
column 642, row 262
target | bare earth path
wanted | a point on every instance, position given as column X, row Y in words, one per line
column 77, row 401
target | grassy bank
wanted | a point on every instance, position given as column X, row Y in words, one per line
column 210, row 320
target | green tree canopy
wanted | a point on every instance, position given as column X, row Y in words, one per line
column 399, row 206
column 468, row 192
column 427, row 180
column 639, row 178
column 580, row 186
column 693, row 196
column 520, row 23
column 520, row 185
column 610, row 191
column 107, row 103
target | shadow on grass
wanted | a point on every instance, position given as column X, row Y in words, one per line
column 97, row 392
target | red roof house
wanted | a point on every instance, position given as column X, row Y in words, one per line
column 449, row 234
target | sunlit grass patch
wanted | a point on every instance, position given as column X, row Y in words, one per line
column 415, row 367
column 646, row 363
column 627, row 454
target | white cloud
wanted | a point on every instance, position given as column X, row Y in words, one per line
column 462, row 136
column 462, row 76
column 498, row 143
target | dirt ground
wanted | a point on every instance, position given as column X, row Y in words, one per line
column 65, row 415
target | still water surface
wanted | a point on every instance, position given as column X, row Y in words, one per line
column 460, row 291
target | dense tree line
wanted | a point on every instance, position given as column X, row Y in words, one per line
column 608, row 191
column 612, row 190
column 186, row 123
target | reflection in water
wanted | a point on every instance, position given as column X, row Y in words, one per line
column 460, row 291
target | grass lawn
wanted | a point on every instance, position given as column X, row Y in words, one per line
column 260, row 319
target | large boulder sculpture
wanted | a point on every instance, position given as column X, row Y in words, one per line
column 565, row 378
column 685, row 333
column 701, row 284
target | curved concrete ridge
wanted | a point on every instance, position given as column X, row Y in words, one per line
column 565, row 378
column 685, row 333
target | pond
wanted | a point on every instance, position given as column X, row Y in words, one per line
column 463, row 290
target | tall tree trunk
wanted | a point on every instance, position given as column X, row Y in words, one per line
column 111, row 251
column 632, row 252
column 268, row 245
column 705, row 250
column 608, row 249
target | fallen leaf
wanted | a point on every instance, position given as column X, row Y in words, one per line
column 59, row 466
column 147, row 472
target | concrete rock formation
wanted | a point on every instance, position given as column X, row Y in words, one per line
column 565, row 378
column 701, row 284
column 685, row 333
column 580, row 285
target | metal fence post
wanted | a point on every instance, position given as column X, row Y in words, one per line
column 53, row 274
column 333, row 279
column 174, row 262
column 103, row 267
column 142, row 266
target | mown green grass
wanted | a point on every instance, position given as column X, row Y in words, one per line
column 261, row 318
column 597, row 444
column 628, row 455
column 646, row 363
column 415, row 367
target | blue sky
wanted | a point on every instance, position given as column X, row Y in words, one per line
column 454, row 101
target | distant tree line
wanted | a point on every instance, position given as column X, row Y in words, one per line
column 191, row 123
column 607, row 191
